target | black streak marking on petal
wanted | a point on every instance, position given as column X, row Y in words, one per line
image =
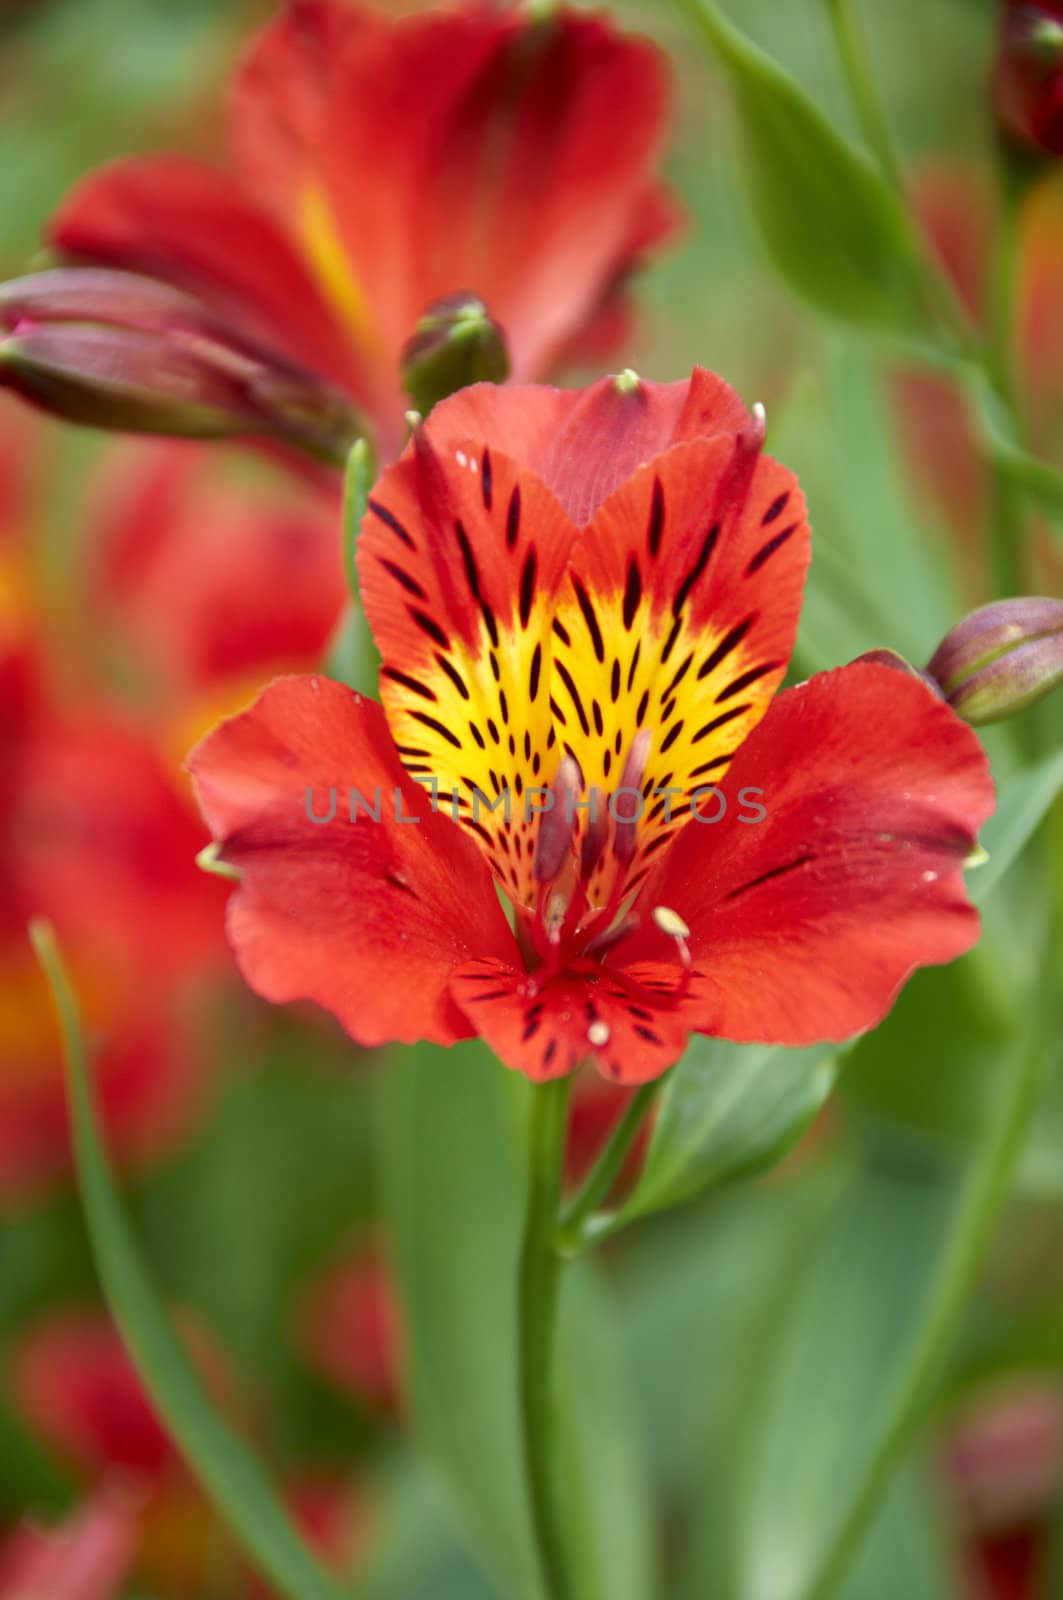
column 656, row 523
column 527, row 586
column 412, row 684
column 776, row 872
column 707, row 547
column 586, row 605
column 744, row 681
column 391, row 521
column 632, row 592
column 427, row 625
column 437, row 727
column 513, row 517
column 767, row 550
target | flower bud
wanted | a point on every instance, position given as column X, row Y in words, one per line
column 454, row 344
column 1028, row 76
column 1001, row 659
column 116, row 350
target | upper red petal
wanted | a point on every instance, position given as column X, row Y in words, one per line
column 584, row 443
column 281, row 90
column 804, row 925
column 368, row 919
column 481, row 151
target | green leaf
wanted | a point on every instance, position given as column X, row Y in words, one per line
column 230, row 1475
column 606, row 1496
column 1022, row 806
column 852, row 1348
column 831, row 224
column 729, row 1111
column 452, row 1173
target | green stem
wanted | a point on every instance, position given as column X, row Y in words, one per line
column 852, row 49
column 573, row 1233
column 540, row 1281
column 1007, row 528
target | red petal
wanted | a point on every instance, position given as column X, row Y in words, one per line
column 507, row 170
column 195, row 227
column 280, row 93
column 460, row 559
column 584, row 443
column 367, row 920
column 806, row 924
column 547, row 1030
column 210, row 581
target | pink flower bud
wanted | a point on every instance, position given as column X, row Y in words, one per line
column 120, row 351
column 1001, row 659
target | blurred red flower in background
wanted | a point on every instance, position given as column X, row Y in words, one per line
column 375, row 165
column 88, row 1558
column 198, row 584
column 72, row 1381
column 958, row 210
column 637, row 653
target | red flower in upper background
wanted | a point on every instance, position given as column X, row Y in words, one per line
column 375, row 165
column 208, row 591
column 593, row 595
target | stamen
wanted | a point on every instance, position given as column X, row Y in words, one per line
column 672, row 924
column 595, row 835
column 627, row 806
column 598, row 1034
column 557, row 825
column 610, row 936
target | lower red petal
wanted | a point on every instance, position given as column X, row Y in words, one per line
column 546, row 1029
column 367, row 919
column 807, row 922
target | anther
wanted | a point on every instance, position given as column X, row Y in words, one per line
column 598, row 1034
column 672, row 925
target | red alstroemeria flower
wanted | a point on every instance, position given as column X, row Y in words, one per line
column 596, row 594
column 376, row 164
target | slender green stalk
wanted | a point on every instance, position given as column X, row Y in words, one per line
column 852, row 48
column 980, row 1208
column 573, row 1233
column 540, row 1282
column 1007, row 528
column 941, row 295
